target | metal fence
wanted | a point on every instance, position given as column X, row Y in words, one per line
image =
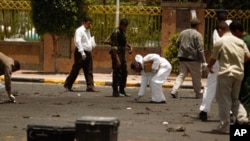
column 240, row 15
column 144, row 29
column 15, row 21
column 144, row 23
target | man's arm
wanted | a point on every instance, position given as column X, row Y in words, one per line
column 210, row 65
column 129, row 48
column 7, row 79
column 247, row 57
column 114, row 48
column 200, row 47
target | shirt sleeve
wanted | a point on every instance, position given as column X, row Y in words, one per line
column 144, row 82
column 200, row 46
column 246, row 50
column 114, row 40
column 7, row 78
column 216, row 50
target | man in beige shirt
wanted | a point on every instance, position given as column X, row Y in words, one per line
column 7, row 66
column 231, row 53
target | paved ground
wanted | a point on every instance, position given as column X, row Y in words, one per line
column 50, row 104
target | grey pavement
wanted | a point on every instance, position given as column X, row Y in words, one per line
column 100, row 79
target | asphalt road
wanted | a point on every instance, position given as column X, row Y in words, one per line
column 49, row 104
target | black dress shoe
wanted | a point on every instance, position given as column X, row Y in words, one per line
column 203, row 116
column 154, row 102
column 68, row 89
column 125, row 94
column 115, row 94
column 91, row 90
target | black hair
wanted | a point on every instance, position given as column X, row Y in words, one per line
column 236, row 25
column 124, row 21
column 222, row 25
column 87, row 19
column 222, row 16
column 134, row 64
column 194, row 25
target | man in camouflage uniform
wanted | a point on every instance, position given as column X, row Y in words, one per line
column 119, row 65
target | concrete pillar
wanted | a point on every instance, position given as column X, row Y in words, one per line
column 176, row 17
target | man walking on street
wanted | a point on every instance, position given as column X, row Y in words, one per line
column 7, row 66
column 210, row 87
column 82, row 56
column 191, row 57
column 231, row 52
column 119, row 46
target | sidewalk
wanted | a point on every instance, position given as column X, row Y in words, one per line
column 99, row 79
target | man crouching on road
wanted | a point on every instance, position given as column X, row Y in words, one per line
column 7, row 66
column 154, row 71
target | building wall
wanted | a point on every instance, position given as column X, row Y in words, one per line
column 101, row 57
column 30, row 54
column 176, row 17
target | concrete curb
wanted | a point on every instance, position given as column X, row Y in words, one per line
column 97, row 82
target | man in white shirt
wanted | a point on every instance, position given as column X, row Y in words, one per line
column 154, row 71
column 83, row 58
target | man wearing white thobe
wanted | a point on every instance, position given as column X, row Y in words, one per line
column 160, row 70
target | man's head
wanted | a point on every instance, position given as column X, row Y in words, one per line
column 136, row 66
column 221, row 15
column 87, row 22
column 195, row 22
column 16, row 66
column 222, row 27
column 123, row 24
column 237, row 29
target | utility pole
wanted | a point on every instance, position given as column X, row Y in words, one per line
column 117, row 13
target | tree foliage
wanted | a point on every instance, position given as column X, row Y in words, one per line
column 228, row 4
column 171, row 53
column 56, row 17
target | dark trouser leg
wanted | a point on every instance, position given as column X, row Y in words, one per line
column 74, row 71
column 115, row 81
column 88, row 70
column 123, row 78
column 115, row 77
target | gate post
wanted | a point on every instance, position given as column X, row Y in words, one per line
column 175, row 18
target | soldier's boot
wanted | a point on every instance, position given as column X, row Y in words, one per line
column 122, row 91
column 115, row 92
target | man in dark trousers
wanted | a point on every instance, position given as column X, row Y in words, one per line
column 7, row 66
column 83, row 59
column 119, row 46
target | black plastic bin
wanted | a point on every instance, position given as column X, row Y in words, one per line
column 50, row 133
column 91, row 128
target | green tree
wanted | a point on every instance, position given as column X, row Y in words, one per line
column 228, row 4
column 57, row 18
column 171, row 53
